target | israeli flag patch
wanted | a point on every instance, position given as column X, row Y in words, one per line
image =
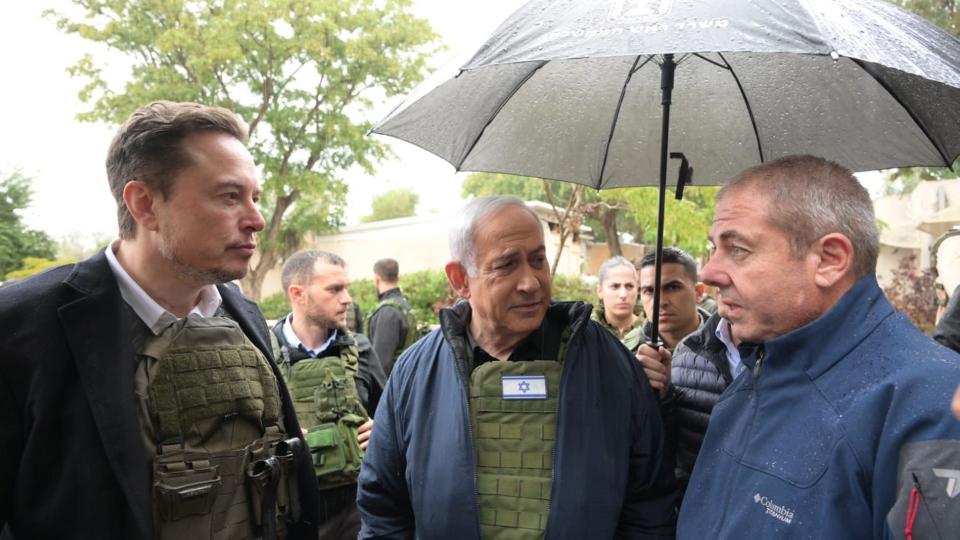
column 524, row 387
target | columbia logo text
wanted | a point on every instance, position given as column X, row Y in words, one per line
column 782, row 513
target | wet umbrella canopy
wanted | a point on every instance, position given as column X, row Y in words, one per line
column 571, row 90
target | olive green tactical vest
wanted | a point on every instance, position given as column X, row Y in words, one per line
column 324, row 392
column 514, row 441
column 221, row 466
column 412, row 334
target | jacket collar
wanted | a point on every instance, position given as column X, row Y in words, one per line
column 817, row 346
column 389, row 293
column 98, row 336
column 455, row 320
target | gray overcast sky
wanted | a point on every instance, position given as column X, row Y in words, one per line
column 41, row 136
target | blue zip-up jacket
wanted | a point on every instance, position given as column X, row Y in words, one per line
column 610, row 477
column 807, row 442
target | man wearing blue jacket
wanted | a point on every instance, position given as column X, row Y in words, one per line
column 839, row 425
column 518, row 418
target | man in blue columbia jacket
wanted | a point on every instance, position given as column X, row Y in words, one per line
column 839, row 425
column 519, row 418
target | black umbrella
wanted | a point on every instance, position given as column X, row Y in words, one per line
column 576, row 90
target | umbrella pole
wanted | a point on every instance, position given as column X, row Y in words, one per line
column 667, row 69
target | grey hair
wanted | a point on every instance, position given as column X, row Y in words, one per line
column 809, row 197
column 462, row 234
column 614, row 262
column 298, row 268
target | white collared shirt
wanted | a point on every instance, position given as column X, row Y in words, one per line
column 150, row 312
column 733, row 353
column 295, row 342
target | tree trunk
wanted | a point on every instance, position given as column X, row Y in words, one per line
column 566, row 222
column 609, row 221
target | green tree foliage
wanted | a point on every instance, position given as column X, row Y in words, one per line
column 396, row 203
column 17, row 242
column 302, row 72
column 522, row 187
column 274, row 306
column 631, row 210
column 687, row 221
column 570, row 288
column 426, row 290
column 946, row 15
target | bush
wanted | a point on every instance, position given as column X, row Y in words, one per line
column 428, row 292
column 910, row 293
column 364, row 294
column 275, row 306
column 570, row 288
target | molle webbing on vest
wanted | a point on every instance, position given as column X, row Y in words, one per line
column 328, row 406
column 514, row 441
column 214, row 410
column 210, row 376
column 324, row 389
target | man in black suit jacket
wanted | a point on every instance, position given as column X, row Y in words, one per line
column 74, row 458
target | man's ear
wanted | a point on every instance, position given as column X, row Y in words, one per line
column 295, row 293
column 458, row 279
column 834, row 253
column 699, row 290
column 140, row 201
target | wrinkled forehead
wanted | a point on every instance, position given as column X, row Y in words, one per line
column 509, row 224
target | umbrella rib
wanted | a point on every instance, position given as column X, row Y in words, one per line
column 746, row 101
column 947, row 162
column 496, row 112
column 616, row 114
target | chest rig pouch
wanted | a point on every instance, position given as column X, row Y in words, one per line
column 513, row 408
column 222, row 467
column 328, row 406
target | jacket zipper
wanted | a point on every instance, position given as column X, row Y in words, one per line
column 759, row 364
column 464, row 385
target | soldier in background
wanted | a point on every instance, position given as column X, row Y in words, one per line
column 334, row 377
column 618, row 291
column 392, row 327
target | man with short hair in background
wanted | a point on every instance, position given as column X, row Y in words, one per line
column 392, row 327
column 520, row 417
column 837, row 426
column 680, row 316
column 138, row 394
column 680, row 294
column 689, row 384
column 335, row 380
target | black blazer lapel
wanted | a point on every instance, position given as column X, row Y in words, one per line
column 248, row 316
column 99, row 338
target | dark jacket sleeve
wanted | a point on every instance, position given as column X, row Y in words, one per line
column 948, row 329
column 382, row 493
column 370, row 377
column 650, row 505
column 11, row 446
column 386, row 333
